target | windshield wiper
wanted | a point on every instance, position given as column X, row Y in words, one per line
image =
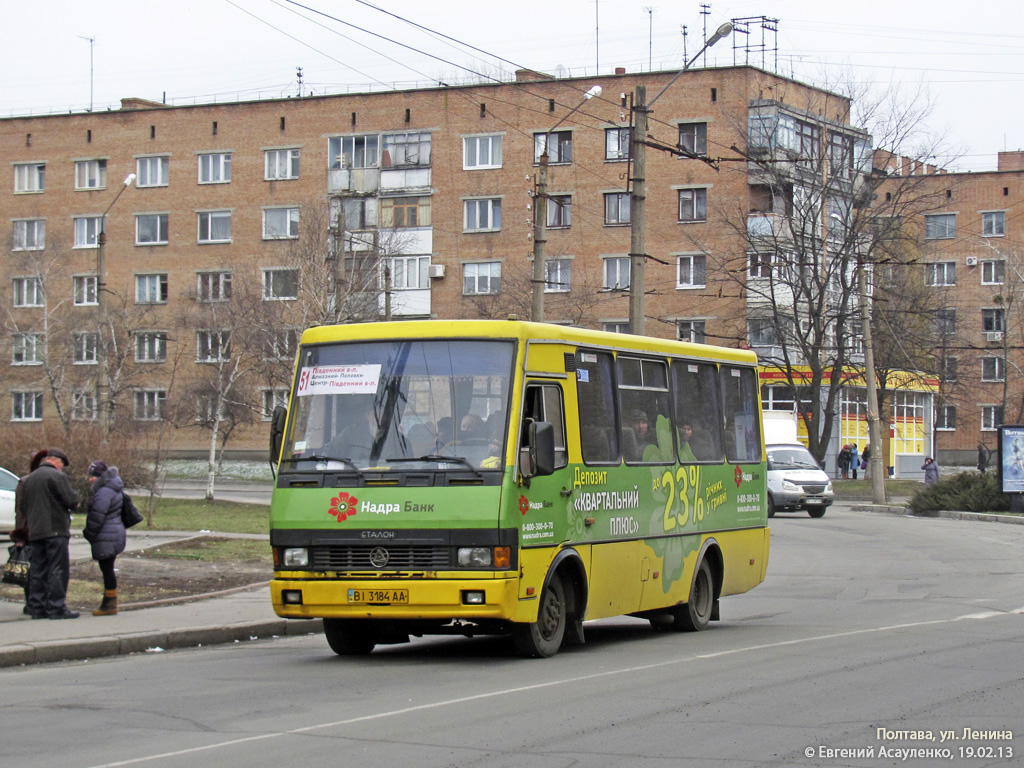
column 439, row 458
column 324, row 457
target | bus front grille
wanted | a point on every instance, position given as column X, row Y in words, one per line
column 398, row 557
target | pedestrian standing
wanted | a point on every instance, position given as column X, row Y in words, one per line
column 854, row 460
column 843, row 461
column 104, row 529
column 49, row 501
column 984, row 454
column 865, row 459
column 19, row 536
column 931, row 471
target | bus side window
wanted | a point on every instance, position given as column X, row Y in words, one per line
column 740, row 396
column 598, row 412
column 695, row 390
column 544, row 403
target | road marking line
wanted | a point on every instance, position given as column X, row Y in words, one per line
column 549, row 684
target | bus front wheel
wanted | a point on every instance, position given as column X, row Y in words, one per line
column 543, row 638
column 349, row 638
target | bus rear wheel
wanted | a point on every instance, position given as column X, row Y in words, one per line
column 543, row 638
column 349, row 638
column 696, row 614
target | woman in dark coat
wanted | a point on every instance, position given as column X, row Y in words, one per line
column 104, row 529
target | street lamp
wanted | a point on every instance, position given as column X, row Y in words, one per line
column 637, row 215
column 101, row 283
column 540, row 216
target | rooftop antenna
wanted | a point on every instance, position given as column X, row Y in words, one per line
column 92, row 44
column 597, row 37
column 705, row 11
column 685, row 57
column 650, row 38
column 298, row 72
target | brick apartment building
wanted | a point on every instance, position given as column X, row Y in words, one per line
column 971, row 245
column 294, row 206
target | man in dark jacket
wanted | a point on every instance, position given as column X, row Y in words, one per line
column 49, row 500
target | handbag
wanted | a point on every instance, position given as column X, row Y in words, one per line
column 16, row 567
column 130, row 514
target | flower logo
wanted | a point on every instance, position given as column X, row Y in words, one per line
column 524, row 505
column 343, row 506
column 739, row 476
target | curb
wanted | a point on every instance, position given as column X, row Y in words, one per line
column 902, row 509
column 96, row 647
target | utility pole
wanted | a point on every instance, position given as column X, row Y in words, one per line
column 877, row 464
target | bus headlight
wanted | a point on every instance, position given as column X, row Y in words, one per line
column 474, row 557
column 295, row 557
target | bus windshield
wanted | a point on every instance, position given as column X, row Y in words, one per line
column 401, row 404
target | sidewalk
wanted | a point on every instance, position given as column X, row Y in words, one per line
column 234, row 615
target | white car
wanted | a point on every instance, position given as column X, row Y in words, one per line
column 8, row 482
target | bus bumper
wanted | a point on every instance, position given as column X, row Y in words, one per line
column 491, row 596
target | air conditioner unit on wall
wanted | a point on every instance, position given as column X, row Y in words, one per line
column 972, row 261
column 993, row 336
column 435, row 270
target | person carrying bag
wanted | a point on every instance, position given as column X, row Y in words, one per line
column 105, row 530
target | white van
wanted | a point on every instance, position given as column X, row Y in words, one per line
column 796, row 481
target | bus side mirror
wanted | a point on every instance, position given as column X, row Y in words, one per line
column 542, row 448
column 277, row 422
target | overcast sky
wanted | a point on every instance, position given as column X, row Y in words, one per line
column 969, row 56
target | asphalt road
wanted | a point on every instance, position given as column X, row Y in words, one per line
column 872, row 633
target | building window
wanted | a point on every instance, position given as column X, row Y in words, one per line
column 557, row 275
column 361, row 213
column 26, row 406
column 215, row 168
column 942, row 273
column 761, row 332
column 151, row 229
column 406, row 149
column 213, row 286
column 409, row 272
column 30, row 235
column 945, row 417
column 353, row 151
column 615, row 326
column 759, row 265
column 482, row 278
column 150, row 346
column 993, row 224
column 28, row 292
column 273, row 398
column 693, row 138
column 152, row 171
column 213, row 346
column 559, row 212
column 149, row 404
column 215, row 227
column 27, row 349
column 404, row 212
column 691, row 271
column 993, row 369
column 280, row 223
column 90, row 174
column 87, row 231
column 86, row 288
column 86, row 348
column 991, row 417
column 280, row 344
column 616, row 143
column 945, row 322
column 693, row 204
column 29, row 177
column 559, row 146
column 482, row 215
column 690, row 330
column 481, row 152
column 992, row 320
column 616, row 273
column 281, row 164
column 83, row 405
column 948, row 368
column 940, row 226
column 993, row 272
column 616, row 208
column 151, row 289
column 280, row 284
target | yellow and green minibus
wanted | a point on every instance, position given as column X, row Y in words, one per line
column 481, row 477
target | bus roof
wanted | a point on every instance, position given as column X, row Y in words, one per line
column 521, row 330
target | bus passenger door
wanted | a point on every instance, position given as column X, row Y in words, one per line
column 542, row 503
